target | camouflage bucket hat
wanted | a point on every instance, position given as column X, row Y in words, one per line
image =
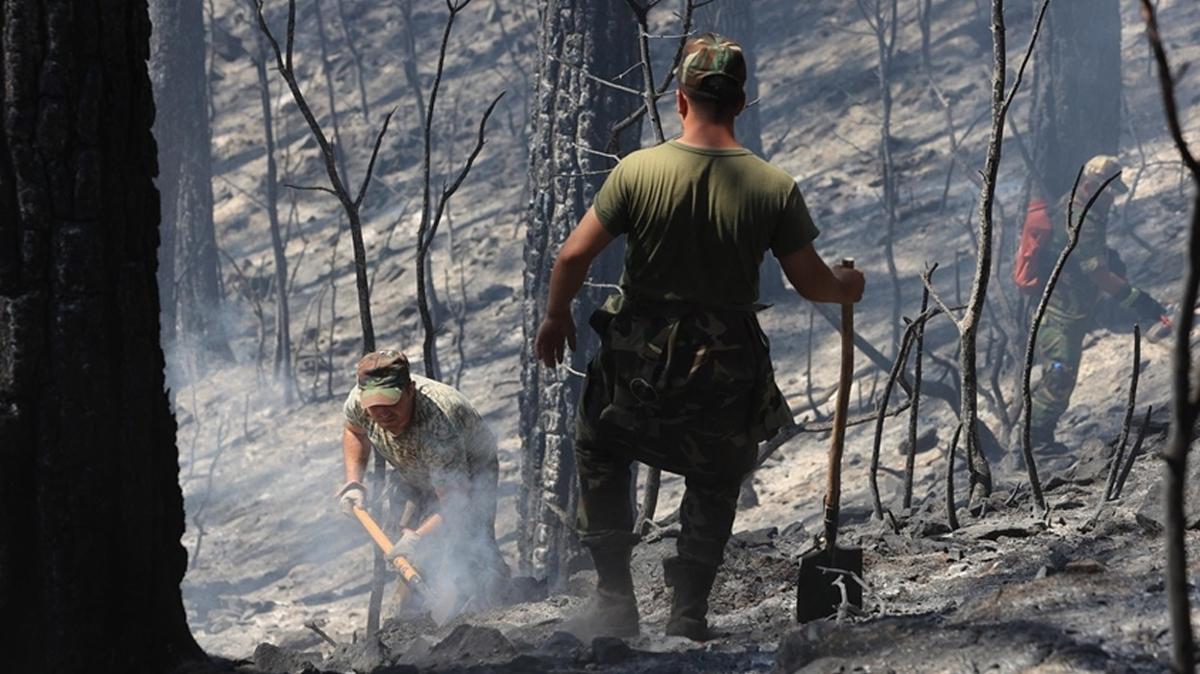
column 713, row 68
column 1101, row 168
column 382, row 377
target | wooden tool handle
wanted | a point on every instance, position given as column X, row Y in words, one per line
column 833, row 487
column 410, row 574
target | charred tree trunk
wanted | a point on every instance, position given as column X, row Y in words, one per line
column 736, row 20
column 1078, row 109
column 595, row 37
column 189, row 288
column 89, row 542
column 283, row 332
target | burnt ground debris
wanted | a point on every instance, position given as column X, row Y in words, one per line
column 1004, row 593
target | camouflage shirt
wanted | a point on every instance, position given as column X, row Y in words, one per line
column 445, row 443
column 1075, row 297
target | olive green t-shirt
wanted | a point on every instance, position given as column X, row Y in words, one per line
column 698, row 221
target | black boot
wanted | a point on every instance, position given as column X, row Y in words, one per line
column 612, row 611
column 692, row 582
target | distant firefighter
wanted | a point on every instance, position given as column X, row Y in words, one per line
column 683, row 380
column 1094, row 275
column 445, row 459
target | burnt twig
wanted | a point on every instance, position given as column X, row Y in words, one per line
column 915, row 408
column 1115, row 467
column 1133, row 454
column 897, row 367
column 951, row 512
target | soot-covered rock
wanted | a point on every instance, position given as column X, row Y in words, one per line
column 271, row 659
column 610, row 651
column 562, row 645
column 470, row 644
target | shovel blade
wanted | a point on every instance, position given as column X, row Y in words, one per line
column 817, row 592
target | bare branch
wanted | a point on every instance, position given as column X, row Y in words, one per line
column 688, row 13
column 1133, row 454
column 937, row 298
column 895, row 373
column 362, row 190
column 915, row 410
column 598, row 80
column 1037, row 29
column 310, row 188
column 1131, row 402
column 479, row 142
column 648, row 94
column 951, row 511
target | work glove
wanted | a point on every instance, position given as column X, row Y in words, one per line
column 1147, row 309
column 352, row 494
column 405, row 547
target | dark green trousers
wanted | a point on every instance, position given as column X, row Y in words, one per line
column 1060, row 347
column 606, row 513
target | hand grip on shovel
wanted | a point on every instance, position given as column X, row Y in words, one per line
column 408, row 572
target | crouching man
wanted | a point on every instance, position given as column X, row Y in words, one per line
column 445, row 459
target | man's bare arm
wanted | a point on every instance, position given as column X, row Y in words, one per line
column 356, row 447
column 570, row 270
column 815, row 281
column 571, row 267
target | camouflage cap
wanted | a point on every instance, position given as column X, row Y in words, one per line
column 1101, row 168
column 382, row 377
column 713, row 68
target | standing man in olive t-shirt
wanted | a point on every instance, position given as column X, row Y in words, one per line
column 683, row 380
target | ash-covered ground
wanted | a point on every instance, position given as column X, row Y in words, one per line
column 269, row 552
column 1078, row 591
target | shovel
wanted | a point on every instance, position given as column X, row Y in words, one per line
column 832, row 576
column 440, row 611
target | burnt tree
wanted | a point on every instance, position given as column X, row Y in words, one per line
column 581, row 42
column 188, row 275
column 736, row 20
column 282, row 368
column 1078, row 99
column 93, row 512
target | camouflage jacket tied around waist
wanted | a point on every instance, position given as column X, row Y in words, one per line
column 686, row 388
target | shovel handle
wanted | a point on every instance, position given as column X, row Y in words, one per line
column 408, row 572
column 833, row 487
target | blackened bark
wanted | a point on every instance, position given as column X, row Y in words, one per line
column 597, row 37
column 189, row 286
column 1078, row 108
column 89, row 541
column 736, row 20
column 282, row 368
column 1185, row 402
